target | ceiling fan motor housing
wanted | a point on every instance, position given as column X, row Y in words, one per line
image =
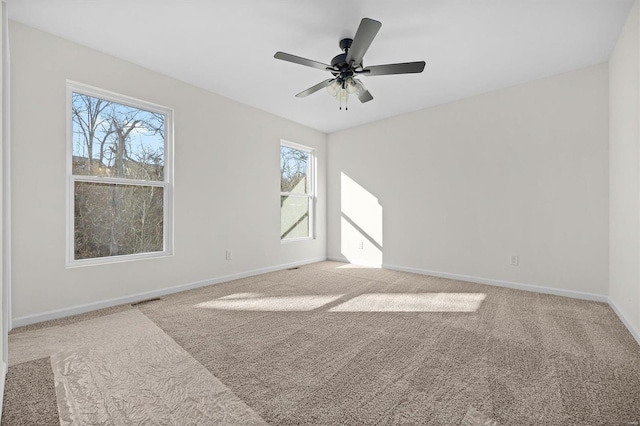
column 339, row 62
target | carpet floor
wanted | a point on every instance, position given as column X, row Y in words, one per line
column 30, row 395
column 330, row 343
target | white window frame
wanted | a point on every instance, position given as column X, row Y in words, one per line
column 166, row 184
column 311, row 195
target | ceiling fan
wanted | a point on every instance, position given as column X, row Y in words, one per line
column 346, row 66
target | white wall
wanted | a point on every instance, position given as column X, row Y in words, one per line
column 226, row 180
column 460, row 187
column 3, row 338
column 624, row 166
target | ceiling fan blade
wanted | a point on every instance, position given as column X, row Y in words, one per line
column 363, row 93
column 365, row 96
column 315, row 88
column 403, row 68
column 362, row 40
column 302, row 61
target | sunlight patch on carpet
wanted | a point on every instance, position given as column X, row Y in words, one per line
column 241, row 296
column 412, row 302
column 258, row 302
column 358, row 266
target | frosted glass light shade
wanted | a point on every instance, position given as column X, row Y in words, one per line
column 333, row 88
column 352, row 86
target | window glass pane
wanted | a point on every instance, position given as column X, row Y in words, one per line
column 294, row 165
column 114, row 220
column 110, row 139
column 294, row 217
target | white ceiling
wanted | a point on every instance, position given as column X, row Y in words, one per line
column 227, row 46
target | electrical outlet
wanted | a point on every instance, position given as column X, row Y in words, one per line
column 514, row 259
column 361, row 245
column 228, row 255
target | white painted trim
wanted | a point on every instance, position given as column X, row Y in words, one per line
column 354, row 262
column 5, row 276
column 311, row 181
column 338, row 259
column 3, row 378
column 501, row 283
column 120, row 181
column 625, row 321
column 80, row 309
column 117, row 259
column 295, row 240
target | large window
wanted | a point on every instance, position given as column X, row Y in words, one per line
column 119, row 173
column 296, row 192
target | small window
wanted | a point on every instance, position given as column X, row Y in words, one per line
column 296, row 192
column 119, row 177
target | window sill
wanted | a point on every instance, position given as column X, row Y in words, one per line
column 116, row 259
column 294, row 240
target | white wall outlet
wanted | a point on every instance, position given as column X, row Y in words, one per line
column 228, row 255
column 361, row 245
column 514, row 259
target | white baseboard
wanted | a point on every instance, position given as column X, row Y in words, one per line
column 354, row 262
column 338, row 259
column 501, row 283
column 627, row 323
column 80, row 309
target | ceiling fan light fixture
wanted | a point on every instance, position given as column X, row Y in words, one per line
column 355, row 87
column 352, row 85
column 339, row 90
column 334, row 88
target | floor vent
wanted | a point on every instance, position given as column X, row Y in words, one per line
column 145, row 301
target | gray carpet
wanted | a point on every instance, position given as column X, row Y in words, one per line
column 520, row 358
column 30, row 395
column 72, row 319
column 333, row 344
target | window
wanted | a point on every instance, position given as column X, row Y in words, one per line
column 119, row 174
column 296, row 191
